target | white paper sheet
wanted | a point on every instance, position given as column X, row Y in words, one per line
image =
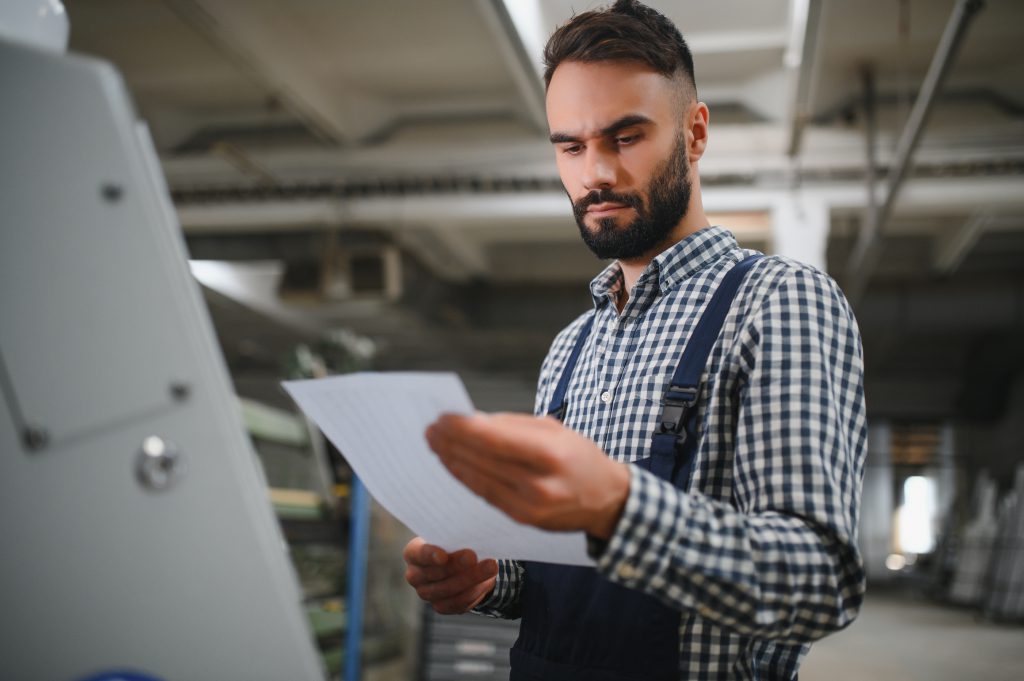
column 378, row 421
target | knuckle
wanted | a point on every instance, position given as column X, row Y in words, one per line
column 547, row 493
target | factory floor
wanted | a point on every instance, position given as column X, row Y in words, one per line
column 900, row 638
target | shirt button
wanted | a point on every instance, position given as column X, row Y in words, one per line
column 606, row 397
column 627, row 571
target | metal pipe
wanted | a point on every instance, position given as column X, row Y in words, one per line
column 864, row 258
column 804, row 77
column 870, row 130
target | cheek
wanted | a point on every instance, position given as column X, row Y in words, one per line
column 569, row 173
column 639, row 166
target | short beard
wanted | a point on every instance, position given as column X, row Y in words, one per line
column 668, row 198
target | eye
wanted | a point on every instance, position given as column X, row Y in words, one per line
column 572, row 149
column 626, row 140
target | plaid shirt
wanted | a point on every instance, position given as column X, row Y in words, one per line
column 760, row 554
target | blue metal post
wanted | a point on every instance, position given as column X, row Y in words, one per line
column 358, row 549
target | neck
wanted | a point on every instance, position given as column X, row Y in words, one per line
column 694, row 221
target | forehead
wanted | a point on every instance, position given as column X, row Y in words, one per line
column 585, row 97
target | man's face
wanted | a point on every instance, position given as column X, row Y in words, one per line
column 621, row 154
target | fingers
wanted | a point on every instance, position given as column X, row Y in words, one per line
column 458, row 582
column 420, row 553
column 462, row 602
column 514, row 439
column 459, row 561
column 521, row 502
column 504, row 482
column 489, row 477
column 485, row 481
column 456, row 579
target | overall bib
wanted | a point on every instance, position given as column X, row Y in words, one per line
column 576, row 625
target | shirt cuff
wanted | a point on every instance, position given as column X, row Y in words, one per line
column 489, row 605
column 634, row 552
column 503, row 601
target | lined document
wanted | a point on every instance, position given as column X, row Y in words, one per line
column 378, row 420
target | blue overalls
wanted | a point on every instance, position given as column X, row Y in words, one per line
column 578, row 626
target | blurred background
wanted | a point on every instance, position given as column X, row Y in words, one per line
column 369, row 185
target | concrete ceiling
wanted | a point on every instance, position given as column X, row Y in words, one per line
column 284, row 126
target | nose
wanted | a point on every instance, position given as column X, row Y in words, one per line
column 600, row 170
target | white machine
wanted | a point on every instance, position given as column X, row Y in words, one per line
column 137, row 537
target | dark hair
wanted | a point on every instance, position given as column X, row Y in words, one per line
column 625, row 31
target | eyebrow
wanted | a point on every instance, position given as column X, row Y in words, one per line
column 627, row 121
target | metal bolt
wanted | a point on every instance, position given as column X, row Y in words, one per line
column 159, row 463
column 180, row 391
column 35, row 438
column 111, row 192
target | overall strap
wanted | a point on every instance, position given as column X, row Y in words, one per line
column 676, row 424
column 557, row 405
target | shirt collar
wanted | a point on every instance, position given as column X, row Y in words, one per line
column 676, row 263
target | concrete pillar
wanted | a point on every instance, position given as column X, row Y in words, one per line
column 800, row 225
column 876, row 509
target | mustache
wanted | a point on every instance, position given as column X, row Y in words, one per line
column 580, row 206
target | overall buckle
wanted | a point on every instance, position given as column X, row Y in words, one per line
column 676, row 404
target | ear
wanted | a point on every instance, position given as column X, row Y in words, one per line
column 696, row 130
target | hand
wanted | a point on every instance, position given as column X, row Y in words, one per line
column 452, row 583
column 534, row 469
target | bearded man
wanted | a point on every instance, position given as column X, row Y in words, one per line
column 703, row 424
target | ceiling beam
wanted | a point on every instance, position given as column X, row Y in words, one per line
column 241, row 161
column 725, row 42
column 866, row 252
column 330, row 118
column 516, row 37
column 448, row 252
column 551, row 214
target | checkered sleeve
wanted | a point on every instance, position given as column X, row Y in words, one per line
column 503, row 601
column 779, row 562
